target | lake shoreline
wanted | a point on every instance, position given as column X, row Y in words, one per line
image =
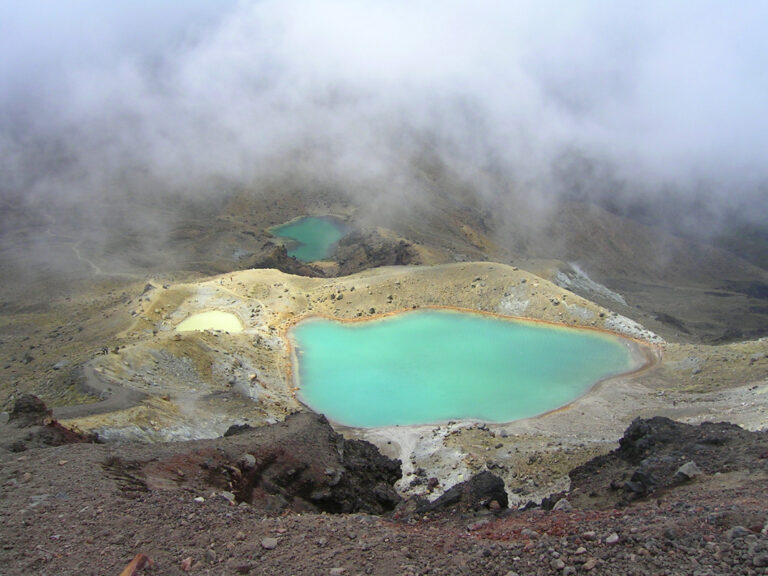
column 516, row 355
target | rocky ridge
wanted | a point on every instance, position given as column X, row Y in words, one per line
column 296, row 496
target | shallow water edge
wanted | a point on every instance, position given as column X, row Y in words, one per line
column 499, row 377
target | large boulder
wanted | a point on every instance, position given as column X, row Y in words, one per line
column 476, row 493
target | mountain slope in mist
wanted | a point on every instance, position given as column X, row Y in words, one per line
column 627, row 139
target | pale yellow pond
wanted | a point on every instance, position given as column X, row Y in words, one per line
column 211, row 320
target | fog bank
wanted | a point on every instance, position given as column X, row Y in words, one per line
column 623, row 103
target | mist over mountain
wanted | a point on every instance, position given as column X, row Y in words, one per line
column 653, row 111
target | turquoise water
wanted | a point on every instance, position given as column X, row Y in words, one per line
column 437, row 365
column 311, row 238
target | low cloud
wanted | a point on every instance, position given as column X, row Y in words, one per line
column 622, row 102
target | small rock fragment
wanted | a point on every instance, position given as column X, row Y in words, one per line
column 228, row 496
column 688, row 471
column 612, row 539
column 557, row 564
column 269, row 543
column 737, row 532
column 670, row 532
column 247, row 461
column 760, row 560
column 474, row 526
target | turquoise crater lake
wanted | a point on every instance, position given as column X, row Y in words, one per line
column 430, row 366
column 311, row 238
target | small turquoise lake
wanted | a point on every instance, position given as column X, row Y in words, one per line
column 311, row 238
column 431, row 366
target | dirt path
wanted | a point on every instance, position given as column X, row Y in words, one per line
column 118, row 397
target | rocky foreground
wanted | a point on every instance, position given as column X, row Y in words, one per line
column 298, row 498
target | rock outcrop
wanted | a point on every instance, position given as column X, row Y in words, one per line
column 362, row 251
column 277, row 258
column 480, row 491
column 31, row 425
column 484, row 491
column 299, row 465
column 29, row 410
column 659, row 453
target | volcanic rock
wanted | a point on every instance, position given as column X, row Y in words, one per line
column 659, row 453
column 31, row 425
column 299, row 465
column 688, row 471
column 477, row 492
column 269, row 543
column 278, row 258
column 29, row 410
column 359, row 251
column 236, row 429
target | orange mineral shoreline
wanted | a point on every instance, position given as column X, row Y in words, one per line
column 651, row 353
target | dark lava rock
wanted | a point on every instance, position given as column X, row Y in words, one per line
column 652, row 451
column 31, row 425
column 477, row 492
column 299, row 465
column 548, row 502
column 29, row 410
column 278, row 259
column 237, row 429
column 360, row 251
column 641, row 483
column 663, row 445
